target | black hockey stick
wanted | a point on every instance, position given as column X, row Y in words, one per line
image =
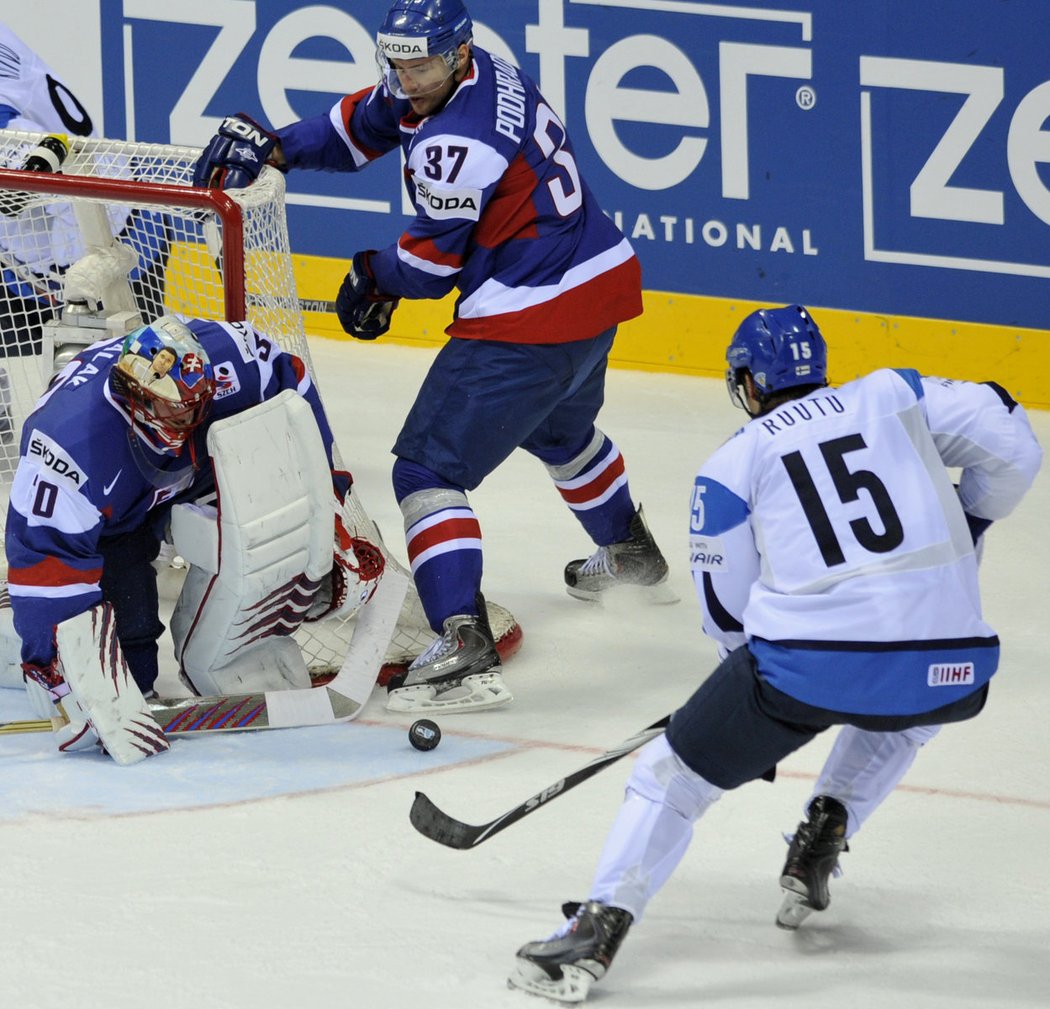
column 439, row 826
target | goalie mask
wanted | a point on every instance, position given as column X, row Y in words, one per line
column 165, row 380
column 413, row 32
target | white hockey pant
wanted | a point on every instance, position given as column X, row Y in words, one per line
column 652, row 830
column 864, row 767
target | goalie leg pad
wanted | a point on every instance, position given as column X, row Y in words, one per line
column 106, row 697
column 258, row 558
column 10, row 644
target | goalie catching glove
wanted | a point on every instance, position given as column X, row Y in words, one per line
column 364, row 312
column 356, row 569
column 236, row 154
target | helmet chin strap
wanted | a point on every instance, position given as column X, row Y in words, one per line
column 744, row 392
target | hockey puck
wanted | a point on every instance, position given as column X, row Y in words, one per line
column 424, row 734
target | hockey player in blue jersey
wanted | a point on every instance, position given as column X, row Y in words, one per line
column 120, row 439
column 836, row 567
column 544, row 278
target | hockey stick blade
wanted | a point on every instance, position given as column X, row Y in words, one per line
column 436, row 824
column 183, row 716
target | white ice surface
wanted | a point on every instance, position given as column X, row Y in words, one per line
column 279, row 869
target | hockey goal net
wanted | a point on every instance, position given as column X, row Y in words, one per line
column 200, row 253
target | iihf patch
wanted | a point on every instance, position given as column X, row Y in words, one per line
column 950, row 674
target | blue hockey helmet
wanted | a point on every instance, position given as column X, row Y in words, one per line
column 416, row 29
column 780, row 348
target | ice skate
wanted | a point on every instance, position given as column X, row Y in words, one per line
column 460, row 671
column 564, row 968
column 812, row 858
column 636, row 561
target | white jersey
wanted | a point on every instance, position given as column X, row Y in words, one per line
column 827, row 535
column 34, row 99
column 32, row 96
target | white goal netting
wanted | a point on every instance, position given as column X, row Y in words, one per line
column 199, row 253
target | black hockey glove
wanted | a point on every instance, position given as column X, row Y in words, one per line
column 236, row 154
column 977, row 527
column 363, row 311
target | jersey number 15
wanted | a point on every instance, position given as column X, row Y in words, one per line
column 848, row 485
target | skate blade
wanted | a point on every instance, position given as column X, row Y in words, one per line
column 794, row 910
column 472, row 693
column 570, row 989
column 660, row 594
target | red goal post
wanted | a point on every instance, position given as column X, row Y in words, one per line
column 199, row 252
column 133, row 193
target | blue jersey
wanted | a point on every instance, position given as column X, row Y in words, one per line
column 501, row 211
column 85, row 475
column 827, row 535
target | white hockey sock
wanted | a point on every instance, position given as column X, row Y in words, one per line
column 652, row 830
column 863, row 768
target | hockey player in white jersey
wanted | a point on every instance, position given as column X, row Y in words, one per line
column 38, row 245
column 544, row 279
column 33, row 96
column 836, row 566
column 119, row 450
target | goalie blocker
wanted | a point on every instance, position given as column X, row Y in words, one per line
column 91, row 696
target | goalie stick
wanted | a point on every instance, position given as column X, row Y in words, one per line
column 32, row 725
column 439, row 826
column 338, row 701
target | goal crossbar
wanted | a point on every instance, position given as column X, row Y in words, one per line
column 134, row 193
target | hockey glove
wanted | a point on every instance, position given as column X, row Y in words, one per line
column 235, row 155
column 48, row 679
column 357, row 566
column 977, row 527
column 363, row 311
column 50, row 697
